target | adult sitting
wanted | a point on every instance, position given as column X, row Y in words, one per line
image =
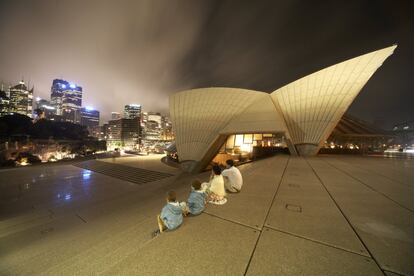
column 233, row 180
column 215, row 187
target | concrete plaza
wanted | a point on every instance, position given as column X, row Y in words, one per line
column 328, row 215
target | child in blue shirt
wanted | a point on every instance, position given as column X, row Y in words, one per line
column 196, row 202
column 171, row 216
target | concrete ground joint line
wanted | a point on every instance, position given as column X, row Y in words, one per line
column 232, row 221
column 267, row 214
column 377, row 173
column 343, row 214
column 398, row 273
column 82, row 219
column 370, row 187
column 277, row 190
column 315, row 241
column 142, row 245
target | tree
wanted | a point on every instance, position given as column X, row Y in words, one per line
column 16, row 124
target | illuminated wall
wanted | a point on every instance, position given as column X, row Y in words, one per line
column 200, row 116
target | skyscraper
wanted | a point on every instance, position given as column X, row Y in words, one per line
column 153, row 126
column 89, row 117
column 58, row 86
column 132, row 111
column 123, row 133
column 67, row 99
column 4, row 102
column 21, row 99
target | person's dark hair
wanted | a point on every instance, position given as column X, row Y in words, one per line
column 171, row 196
column 216, row 170
column 230, row 162
column 196, row 184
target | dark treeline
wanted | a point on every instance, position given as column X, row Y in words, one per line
column 20, row 125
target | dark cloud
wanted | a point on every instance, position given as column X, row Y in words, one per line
column 142, row 51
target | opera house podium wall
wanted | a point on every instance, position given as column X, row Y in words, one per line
column 304, row 111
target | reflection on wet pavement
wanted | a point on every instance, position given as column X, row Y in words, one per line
column 25, row 189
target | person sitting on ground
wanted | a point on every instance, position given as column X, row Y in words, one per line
column 171, row 216
column 215, row 188
column 196, row 202
column 233, row 180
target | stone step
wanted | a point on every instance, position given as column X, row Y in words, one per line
column 132, row 174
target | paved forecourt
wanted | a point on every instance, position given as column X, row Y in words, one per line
column 325, row 215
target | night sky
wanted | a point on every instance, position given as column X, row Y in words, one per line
column 142, row 51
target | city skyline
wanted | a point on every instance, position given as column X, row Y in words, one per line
column 143, row 53
column 49, row 102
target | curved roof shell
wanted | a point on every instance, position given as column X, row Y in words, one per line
column 306, row 110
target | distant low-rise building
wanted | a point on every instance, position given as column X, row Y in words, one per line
column 115, row 115
column 155, row 117
column 42, row 109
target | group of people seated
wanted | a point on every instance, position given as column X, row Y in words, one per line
column 221, row 182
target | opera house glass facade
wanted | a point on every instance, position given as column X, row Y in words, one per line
column 249, row 146
column 236, row 122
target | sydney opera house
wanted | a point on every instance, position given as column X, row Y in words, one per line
column 301, row 115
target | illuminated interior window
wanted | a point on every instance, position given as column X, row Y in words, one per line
column 257, row 137
column 246, row 147
column 239, row 140
column 248, row 139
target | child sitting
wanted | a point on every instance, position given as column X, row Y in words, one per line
column 171, row 215
column 196, row 202
column 216, row 193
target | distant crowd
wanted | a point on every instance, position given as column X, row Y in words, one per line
column 221, row 182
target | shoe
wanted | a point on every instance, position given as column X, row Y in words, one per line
column 155, row 233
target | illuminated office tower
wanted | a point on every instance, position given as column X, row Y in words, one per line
column 21, row 99
column 123, row 133
column 67, row 99
column 58, row 86
column 89, row 117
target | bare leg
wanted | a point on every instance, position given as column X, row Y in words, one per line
column 161, row 225
column 184, row 208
